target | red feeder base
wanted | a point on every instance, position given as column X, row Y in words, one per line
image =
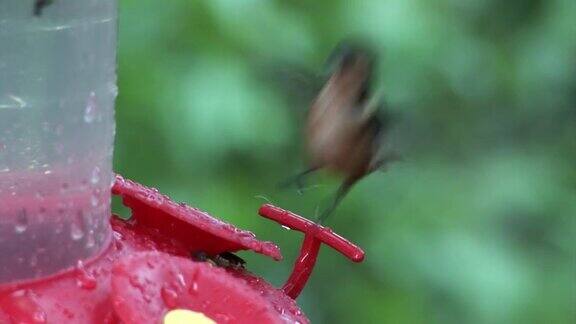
column 146, row 270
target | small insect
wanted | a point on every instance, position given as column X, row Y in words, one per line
column 346, row 124
column 39, row 5
column 223, row 260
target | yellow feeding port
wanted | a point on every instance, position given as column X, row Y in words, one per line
column 185, row 316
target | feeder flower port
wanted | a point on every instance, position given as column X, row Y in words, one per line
column 66, row 258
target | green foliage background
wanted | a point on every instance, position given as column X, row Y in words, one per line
column 476, row 226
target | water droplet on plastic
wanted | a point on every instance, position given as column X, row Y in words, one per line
column 24, row 308
column 21, row 222
column 33, row 261
column 85, row 279
column 193, row 290
column 181, row 280
column 95, row 175
column 286, row 227
column 94, row 200
column 59, row 228
column 118, row 236
column 113, row 89
column 77, row 227
column 90, row 242
column 90, row 110
column 39, row 317
column 169, row 296
column 137, row 283
column 222, row 318
column 68, row 313
column 147, row 295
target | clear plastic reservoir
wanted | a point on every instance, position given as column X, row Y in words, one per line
column 57, row 94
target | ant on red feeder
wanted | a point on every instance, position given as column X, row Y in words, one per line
column 222, row 260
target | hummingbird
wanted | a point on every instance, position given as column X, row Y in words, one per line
column 346, row 123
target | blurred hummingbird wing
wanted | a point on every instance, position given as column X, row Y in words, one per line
column 298, row 85
column 382, row 123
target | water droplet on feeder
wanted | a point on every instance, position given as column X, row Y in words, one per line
column 223, row 318
column 118, row 236
column 24, row 308
column 95, row 176
column 58, row 228
column 90, row 110
column 68, row 313
column 94, row 200
column 193, row 288
column 77, row 227
column 21, row 222
column 39, row 317
column 181, row 280
column 84, row 279
column 113, row 89
column 33, row 261
column 169, row 296
column 135, row 281
column 90, row 241
column 286, row 227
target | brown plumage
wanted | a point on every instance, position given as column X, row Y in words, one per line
column 344, row 129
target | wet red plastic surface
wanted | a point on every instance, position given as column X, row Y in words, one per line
column 85, row 293
column 146, row 270
column 190, row 226
column 146, row 285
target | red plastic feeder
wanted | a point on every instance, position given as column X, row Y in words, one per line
column 147, row 270
column 169, row 263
